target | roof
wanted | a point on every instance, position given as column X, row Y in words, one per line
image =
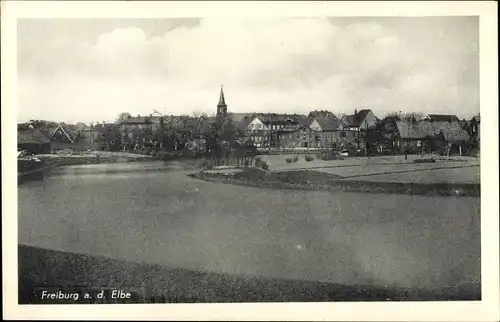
column 27, row 136
column 326, row 123
column 393, row 118
column 452, row 131
column 71, row 131
column 355, row 119
column 443, row 118
column 322, row 113
column 239, row 117
column 140, row 119
column 278, row 118
column 415, row 130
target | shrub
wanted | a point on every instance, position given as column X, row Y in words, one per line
column 288, row 160
column 210, row 166
column 295, row 159
column 265, row 165
column 309, row 158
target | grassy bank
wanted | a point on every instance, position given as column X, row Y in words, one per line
column 312, row 180
column 46, row 268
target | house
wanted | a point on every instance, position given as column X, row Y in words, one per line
column 416, row 137
column 131, row 123
column 353, row 127
column 322, row 114
column 383, row 136
column 475, row 128
column 32, row 140
column 62, row 135
column 432, row 136
column 442, row 118
column 263, row 128
column 136, row 130
column 359, row 121
column 326, row 126
column 302, row 137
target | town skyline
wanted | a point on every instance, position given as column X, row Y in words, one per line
column 101, row 68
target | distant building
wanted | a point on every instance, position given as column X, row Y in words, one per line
column 432, row 136
column 359, row 121
column 136, row 130
column 264, row 129
column 355, row 126
column 32, row 140
column 327, row 130
column 475, row 128
column 442, row 118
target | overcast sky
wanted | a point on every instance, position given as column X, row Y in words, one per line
column 91, row 70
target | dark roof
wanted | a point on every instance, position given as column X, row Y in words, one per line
column 392, row 118
column 443, row 118
column 25, row 136
column 278, row 118
column 140, row 119
column 452, row 131
column 355, row 119
column 322, row 114
column 415, row 130
column 239, row 117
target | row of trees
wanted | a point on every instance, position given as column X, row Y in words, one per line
column 197, row 132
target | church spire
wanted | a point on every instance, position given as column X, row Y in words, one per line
column 222, row 101
column 221, row 107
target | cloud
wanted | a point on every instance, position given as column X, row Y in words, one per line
column 281, row 65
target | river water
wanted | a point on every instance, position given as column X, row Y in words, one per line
column 155, row 213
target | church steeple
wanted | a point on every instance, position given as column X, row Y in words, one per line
column 221, row 107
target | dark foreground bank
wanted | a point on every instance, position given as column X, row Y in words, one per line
column 39, row 268
column 312, row 180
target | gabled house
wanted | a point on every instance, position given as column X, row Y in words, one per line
column 327, row 128
column 64, row 134
column 359, row 121
column 353, row 127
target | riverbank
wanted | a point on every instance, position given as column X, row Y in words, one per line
column 315, row 180
column 159, row 284
column 94, row 157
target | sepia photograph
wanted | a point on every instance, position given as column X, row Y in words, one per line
column 301, row 158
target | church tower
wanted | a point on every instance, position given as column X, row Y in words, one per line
column 221, row 107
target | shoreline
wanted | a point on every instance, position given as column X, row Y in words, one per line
column 39, row 267
column 306, row 180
